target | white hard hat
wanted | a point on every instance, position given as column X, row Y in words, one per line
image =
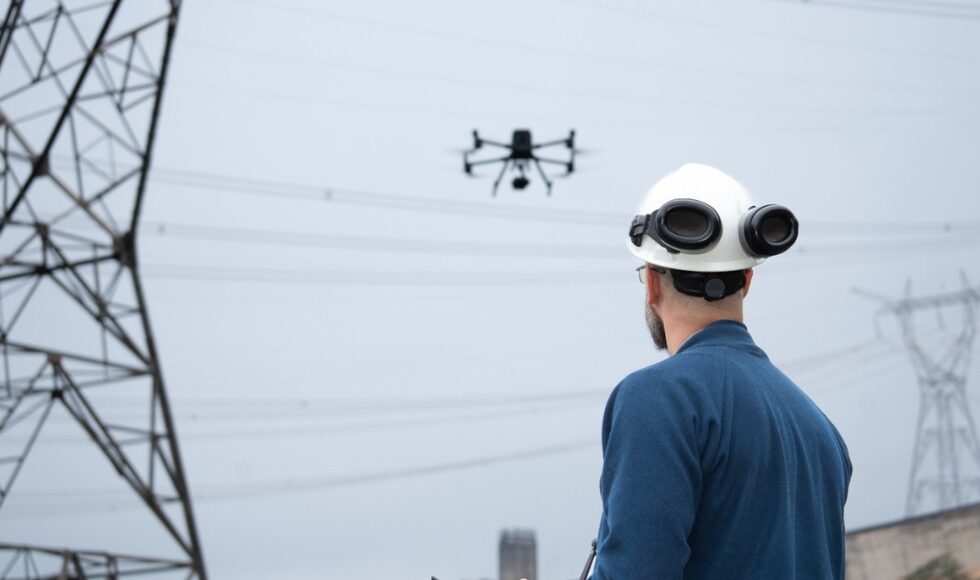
column 699, row 219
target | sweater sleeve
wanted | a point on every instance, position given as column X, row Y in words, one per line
column 651, row 481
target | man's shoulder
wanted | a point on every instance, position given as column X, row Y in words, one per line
column 686, row 374
column 680, row 366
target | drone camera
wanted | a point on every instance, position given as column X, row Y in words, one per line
column 520, row 182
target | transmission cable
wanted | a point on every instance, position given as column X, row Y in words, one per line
column 93, row 500
column 293, row 190
column 496, row 42
column 617, row 96
column 900, row 10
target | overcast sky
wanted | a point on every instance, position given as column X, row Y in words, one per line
column 508, row 320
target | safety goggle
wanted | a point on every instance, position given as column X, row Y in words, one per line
column 694, row 227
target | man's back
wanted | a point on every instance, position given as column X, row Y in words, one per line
column 717, row 466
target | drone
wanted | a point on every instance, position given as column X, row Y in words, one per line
column 522, row 153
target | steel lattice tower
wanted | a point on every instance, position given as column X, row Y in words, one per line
column 80, row 90
column 946, row 458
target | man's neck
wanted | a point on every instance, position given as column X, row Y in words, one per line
column 680, row 329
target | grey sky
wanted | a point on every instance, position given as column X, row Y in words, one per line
column 843, row 116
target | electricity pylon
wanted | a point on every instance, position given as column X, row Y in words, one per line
column 945, row 469
column 80, row 94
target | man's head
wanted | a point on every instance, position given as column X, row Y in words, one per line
column 700, row 235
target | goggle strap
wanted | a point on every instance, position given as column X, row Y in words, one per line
column 646, row 225
column 639, row 227
column 711, row 286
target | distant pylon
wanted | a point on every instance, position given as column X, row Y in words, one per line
column 946, row 455
column 80, row 93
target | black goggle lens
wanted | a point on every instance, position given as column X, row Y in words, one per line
column 770, row 230
column 686, row 223
column 775, row 230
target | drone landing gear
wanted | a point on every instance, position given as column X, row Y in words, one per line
column 496, row 182
column 537, row 163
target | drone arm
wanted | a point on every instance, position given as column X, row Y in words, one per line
column 551, row 143
column 552, row 161
column 567, row 142
column 488, row 161
column 494, row 143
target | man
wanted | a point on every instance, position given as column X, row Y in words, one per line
column 715, row 465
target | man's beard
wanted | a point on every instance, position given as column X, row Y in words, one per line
column 656, row 326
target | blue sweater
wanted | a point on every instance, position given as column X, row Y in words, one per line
column 717, row 466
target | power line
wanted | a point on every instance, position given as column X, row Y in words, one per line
column 848, row 127
column 451, row 278
column 240, row 490
column 496, row 42
column 890, row 51
column 428, row 77
column 876, row 356
column 962, row 234
column 335, row 429
column 842, row 374
column 236, row 408
column 930, row 4
column 101, row 500
column 306, row 192
column 875, row 368
column 332, row 194
column 899, row 10
column 487, row 278
column 375, row 243
column 820, row 359
column 227, row 234
column 381, row 277
column 342, row 403
column 618, row 96
column 293, row 408
column 476, row 279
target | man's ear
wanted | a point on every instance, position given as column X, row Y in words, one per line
column 653, row 286
column 748, row 282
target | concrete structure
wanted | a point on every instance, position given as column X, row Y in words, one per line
column 518, row 555
column 895, row 550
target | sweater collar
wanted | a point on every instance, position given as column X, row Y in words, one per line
column 720, row 333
